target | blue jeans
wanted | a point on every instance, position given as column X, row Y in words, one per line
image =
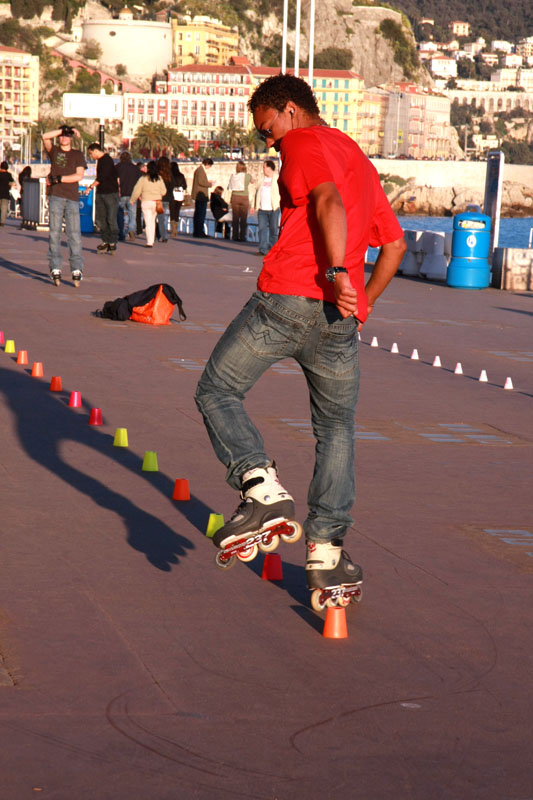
column 162, row 221
column 200, row 210
column 267, row 225
column 272, row 327
column 126, row 217
column 60, row 209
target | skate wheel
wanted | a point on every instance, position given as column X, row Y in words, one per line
column 331, row 602
column 269, row 546
column 249, row 554
column 356, row 598
column 343, row 601
column 316, row 603
column 224, row 562
column 297, row 529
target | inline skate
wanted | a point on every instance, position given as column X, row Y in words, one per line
column 332, row 577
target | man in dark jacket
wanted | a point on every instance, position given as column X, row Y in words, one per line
column 128, row 175
column 106, row 206
column 200, row 195
column 219, row 208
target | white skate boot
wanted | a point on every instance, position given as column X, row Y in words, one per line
column 332, row 577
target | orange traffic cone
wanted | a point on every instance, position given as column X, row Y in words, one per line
column 37, row 370
column 22, row 357
column 335, row 624
column 272, row 569
column 55, row 384
column 181, row 489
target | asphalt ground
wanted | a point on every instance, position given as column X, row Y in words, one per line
column 131, row 667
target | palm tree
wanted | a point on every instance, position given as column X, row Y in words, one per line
column 252, row 142
column 176, row 142
column 231, row 133
column 148, row 137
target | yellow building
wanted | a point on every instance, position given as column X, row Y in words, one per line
column 19, row 92
column 203, row 40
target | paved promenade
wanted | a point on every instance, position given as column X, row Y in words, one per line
column 131, row 668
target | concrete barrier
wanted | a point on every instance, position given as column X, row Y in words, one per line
column 512, row 269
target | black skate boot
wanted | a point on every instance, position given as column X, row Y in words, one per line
column 111, row 249
column 55, row 276
column 102, row 248
column 332, row 576
column 265, row 514
column 77, row 275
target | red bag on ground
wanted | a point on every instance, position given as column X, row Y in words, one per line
column 156, row 312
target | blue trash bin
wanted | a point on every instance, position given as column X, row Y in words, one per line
column 469, row 266
column 86, row 212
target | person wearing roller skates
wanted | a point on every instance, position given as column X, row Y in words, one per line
column 310, row 301
column 68, row 167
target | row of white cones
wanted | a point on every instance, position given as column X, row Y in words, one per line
column 437, row 363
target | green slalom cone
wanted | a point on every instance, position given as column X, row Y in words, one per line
column 216, row 521
column 150, row 461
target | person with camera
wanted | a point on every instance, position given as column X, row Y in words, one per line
column 68, row 167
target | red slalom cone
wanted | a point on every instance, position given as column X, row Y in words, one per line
column 335, row 624
column 1, row 337
column 22, row 357
column 181, row 489
column 272, row 569
column 55, row 384
column 95, row 417
column 37, row 370
column 75, row 400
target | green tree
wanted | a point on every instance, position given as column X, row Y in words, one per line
column 91, row 50
column 405, row 53
column 231, row 133
column 517, row 152
column 334, row 58
column 86, row 82
column 500, row 129
column 121, row 70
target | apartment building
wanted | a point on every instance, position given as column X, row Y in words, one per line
column 202, row 40
column 373, row 112
column 417, row 123
column 19, row 92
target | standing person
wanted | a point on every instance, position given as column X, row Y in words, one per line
column 68, row 167
column 106, row 209
column 267, row 207
column 238, row 185
column 128, row 175
column 219, row 208
column 151, row 189
column 178, row 194
column 310, row 301
column 200, row 195
column 163, row 165
column 6, row 182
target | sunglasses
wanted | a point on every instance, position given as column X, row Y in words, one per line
column 266, row 133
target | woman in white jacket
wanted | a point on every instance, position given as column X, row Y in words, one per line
column 267, row 207
column 151, row 189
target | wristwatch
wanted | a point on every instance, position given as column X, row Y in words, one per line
column 332, row 272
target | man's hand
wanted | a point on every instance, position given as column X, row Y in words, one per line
column 345, row 295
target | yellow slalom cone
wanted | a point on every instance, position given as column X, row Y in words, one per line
column 150, row 461
column 10, row 346
column 121, row 438
column 215, row 522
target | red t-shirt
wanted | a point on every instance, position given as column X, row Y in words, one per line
column 297, row 262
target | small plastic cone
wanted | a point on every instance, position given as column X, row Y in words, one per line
column 335, row 624
column 394, row 348
column 1, row 337
column 414, row 355
column 359, row 335
column 121, row 438
column 22, row 357
column 37, row 370
column 74, row 400
column 508, row 384
column 436, row 362
column 215, row 522
column 55, row 384
column 272, row 568
column 181, row 489
column 458, row 369
column 150, row 462
column 483, row 377
column 374, row 342
column 95, row 417
column 10, row 346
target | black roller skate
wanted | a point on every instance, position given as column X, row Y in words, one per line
column 77, row 275
column 55, row 277
column 102, row 248
column 332, row 577
column 265, row 514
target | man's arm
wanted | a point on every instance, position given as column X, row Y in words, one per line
column 384, row 270
column 331, row 218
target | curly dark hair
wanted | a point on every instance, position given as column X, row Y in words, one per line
column 278, row 90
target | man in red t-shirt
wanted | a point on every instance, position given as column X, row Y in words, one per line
column 311, row 299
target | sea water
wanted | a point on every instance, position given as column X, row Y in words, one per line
column 514, row 231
